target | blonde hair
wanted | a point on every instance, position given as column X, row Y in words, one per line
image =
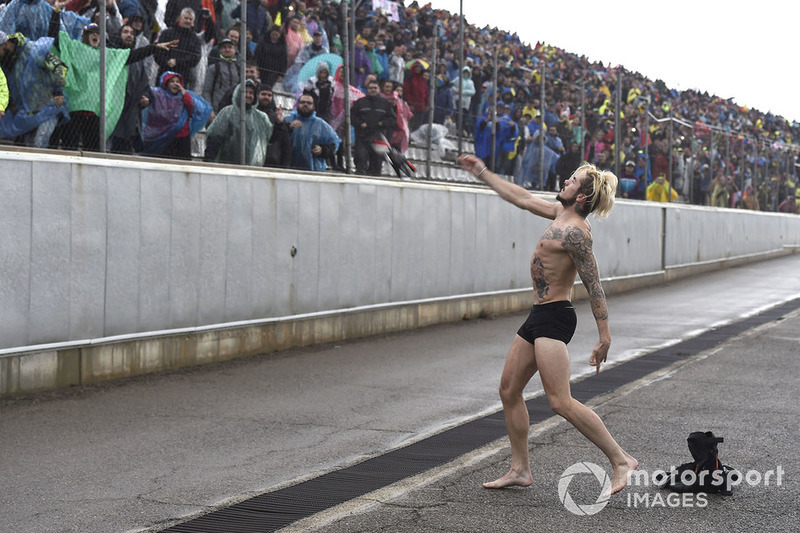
column 600, row 187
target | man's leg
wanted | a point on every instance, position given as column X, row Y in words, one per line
column 41, row 135
column 519, row 369
column 375, row 163
column 552, row 360
column 361, row 156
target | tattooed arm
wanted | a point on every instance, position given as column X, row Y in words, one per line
column 509, row 191
column 578, row 244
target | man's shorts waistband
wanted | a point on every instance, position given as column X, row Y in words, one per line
column 558, row 304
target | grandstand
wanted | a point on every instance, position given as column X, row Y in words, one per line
column 616, row 115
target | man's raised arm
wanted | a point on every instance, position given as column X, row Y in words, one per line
column 510, row 192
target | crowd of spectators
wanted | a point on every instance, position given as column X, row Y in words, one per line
column 174, row 70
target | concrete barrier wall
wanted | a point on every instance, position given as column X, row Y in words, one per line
column 114, row 268
column 700, row 234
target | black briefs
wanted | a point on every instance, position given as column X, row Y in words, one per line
column 554, row 320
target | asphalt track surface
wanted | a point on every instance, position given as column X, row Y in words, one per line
column 163, row 451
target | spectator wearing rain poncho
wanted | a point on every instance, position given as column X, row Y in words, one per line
column 397, row 64
column 661, row 191
column 36, row 80
column 313, row 139
column 416, row 90
column 401, row 133
column 224, row 134
column 337, row 106
column 82, row 59
column 443, row 105
column 467, row 89
column 338, row 110
column 294, row 38
column 31, row 18
column 529, row 175
column 3, row 89
column 506, row 135
column 315, row 48
column 172, row 118
column 483, row 136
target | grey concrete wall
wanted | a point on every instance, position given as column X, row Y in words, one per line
column 98, row 248
column 701, row 234
column 108, row 264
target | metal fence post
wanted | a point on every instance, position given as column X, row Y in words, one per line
column 460, row 74
column 493, row 111
column 102, row 88
column 242, row 92
column 618, row 122
column 692, row 160
column 670, row 149
column 431, row 96
column 583, row 119
column 542, row 128
column 346, row 65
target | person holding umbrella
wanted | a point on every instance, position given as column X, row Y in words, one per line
column 322, row 86
column 316, row 48
column 309, row 69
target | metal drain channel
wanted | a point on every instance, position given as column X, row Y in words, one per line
column 274, row 510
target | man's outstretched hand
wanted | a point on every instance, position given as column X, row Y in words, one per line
column 167, row 45
column 468, row 162
column 473, row 165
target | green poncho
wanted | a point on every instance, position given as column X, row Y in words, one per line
column 83, row 78
column 223, row 133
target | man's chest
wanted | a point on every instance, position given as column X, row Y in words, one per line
column 551, row 240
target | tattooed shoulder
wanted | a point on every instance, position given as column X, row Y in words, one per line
column 577, row 241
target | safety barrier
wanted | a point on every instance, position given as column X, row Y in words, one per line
column 118, row 267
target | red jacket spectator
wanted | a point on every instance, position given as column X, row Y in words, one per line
column 415, row 88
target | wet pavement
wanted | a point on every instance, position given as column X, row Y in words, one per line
column 152, row 452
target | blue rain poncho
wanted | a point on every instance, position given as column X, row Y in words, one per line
column 314, row 131
column 224, row 133
column 34, row 78
column 529, row 170
column 505, row 136
column 167, row 115
column 483, row 137
column 32, row 19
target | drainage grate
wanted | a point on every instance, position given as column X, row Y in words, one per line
column 274, row 510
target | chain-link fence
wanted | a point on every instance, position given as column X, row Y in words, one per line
column 167, row 77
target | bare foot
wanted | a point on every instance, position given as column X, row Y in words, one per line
column 622, row 474
column 512, row 479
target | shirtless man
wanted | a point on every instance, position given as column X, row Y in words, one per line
column 564, row 250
